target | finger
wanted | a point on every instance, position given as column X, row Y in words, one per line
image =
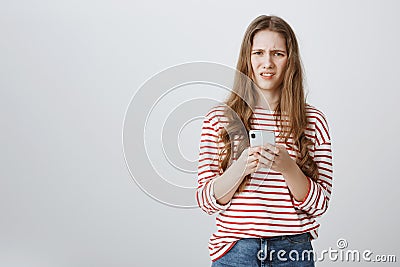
column 265, row 162
column 265, row 166
column 256, row 149
column 253, row 166
column 272, row 148
column 268, row 154
column 250, row 153
column 252, row 158
column 269, row 146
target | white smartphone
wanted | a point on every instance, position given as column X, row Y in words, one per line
column 261, row 137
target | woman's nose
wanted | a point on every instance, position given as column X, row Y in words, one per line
column 268, row 63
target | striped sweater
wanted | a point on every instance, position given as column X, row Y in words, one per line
column 265, row 208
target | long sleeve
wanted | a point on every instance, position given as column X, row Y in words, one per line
column 317, row 199
column 208, row 168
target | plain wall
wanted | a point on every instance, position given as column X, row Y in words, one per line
column 69, row 69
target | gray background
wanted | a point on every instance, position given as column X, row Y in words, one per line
column 68, row 70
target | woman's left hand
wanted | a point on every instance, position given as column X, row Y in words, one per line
column 276, row 158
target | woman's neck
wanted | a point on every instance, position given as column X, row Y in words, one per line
column 269, row 99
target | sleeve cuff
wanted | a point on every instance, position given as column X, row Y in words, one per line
column 214, row 202
column 303, row 205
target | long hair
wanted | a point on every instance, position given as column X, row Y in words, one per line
column 243, row 99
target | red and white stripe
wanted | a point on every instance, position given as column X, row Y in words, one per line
column 265, row 208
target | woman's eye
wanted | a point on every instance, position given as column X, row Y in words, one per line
column 257, row 53
column 279, row 54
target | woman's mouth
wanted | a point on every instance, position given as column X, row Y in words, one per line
column 267, row 75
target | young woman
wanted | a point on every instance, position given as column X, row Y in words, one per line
column 267, row 197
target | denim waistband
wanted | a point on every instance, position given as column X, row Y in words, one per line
column 281, row 237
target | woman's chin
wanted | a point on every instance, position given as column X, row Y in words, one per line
column 268, row 88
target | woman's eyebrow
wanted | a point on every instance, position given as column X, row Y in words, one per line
column 272, row 50
column 278, row 50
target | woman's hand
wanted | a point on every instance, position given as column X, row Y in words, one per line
column 276, row 158
column 226, row 185
column 248, row 162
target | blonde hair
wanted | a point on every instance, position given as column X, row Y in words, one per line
column 243, row 98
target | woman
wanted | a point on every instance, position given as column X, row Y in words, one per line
column 267, row 197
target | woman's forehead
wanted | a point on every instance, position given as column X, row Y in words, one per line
column 267, row 39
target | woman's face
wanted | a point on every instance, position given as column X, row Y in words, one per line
column 268, row 59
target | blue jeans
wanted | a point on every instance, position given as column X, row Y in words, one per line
column 281, row 251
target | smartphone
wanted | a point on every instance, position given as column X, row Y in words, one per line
column 261, row 137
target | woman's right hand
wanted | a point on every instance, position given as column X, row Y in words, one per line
column 226, row 185
column 248, row 161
